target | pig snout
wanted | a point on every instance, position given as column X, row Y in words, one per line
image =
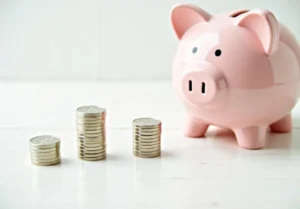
column 203, row 86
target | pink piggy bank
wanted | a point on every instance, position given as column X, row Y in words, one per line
column 236, row 70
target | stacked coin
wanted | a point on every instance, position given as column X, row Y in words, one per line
column 146, row 137
column 45, row 150
column 91, row 135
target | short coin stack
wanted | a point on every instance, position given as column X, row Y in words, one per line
column 146, row 137
column 91, row 140
column 45, row 150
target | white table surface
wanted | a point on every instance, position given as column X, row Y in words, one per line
column 211, row 172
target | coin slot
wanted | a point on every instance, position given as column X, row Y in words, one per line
column 238, row 13
column 203, row 88
column 190, row 85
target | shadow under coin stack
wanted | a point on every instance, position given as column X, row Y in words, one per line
column 91, row 135
column 146, row 137
column 45, row 150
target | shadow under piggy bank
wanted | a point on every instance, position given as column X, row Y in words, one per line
column 226, row 138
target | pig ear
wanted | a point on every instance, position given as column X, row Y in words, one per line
column 184, row 16
column 264, row 24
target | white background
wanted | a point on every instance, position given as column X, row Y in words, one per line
column 102, row 39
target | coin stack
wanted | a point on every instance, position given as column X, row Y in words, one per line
column 45, row 150
column 146, row 137
column 91, row 140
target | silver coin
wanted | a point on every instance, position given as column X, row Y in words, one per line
column 90, row 131
column 146, row 145
column 90, row 115
column 41, row 150
column 92, row 135
column 90, row 142
column 92, row 147
column 146, row 150
column 95, row 134
column 90, row 110
column 147, row 136
column 90, row 120
column 90, row 128
column 143, row 139
column 91, row 152
column 147, row 128
column 147, row 155
column 146, row 133
column 44, row 153
column 44, row 160
column 138, row 147
column 91, row 155
column 89, row 139
column 142, row 155
column 44, row 149
column 89, row 124
column 82, row 128
column 96, row 147
column 146, row 141
column 46, row 163
column 44, row 141
column 146, row 122
column 93, row 158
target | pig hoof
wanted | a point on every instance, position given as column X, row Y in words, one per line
column 251, row 145
column 194, row 129
column 284, row 125
column 194, row 134
column 252, row 137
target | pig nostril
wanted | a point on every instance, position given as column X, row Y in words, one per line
column 203, row 88
column 190, row 85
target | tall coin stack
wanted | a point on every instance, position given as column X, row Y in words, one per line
column 45, row 150
column 146, row 137
column 91, row 135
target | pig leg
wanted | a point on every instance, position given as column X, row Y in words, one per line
column 251, row 137
column 284, row 125
column 195, row 128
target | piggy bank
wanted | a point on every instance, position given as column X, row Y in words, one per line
column 238, row 70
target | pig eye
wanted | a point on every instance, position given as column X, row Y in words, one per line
column 218, row 52
column 194, row 50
